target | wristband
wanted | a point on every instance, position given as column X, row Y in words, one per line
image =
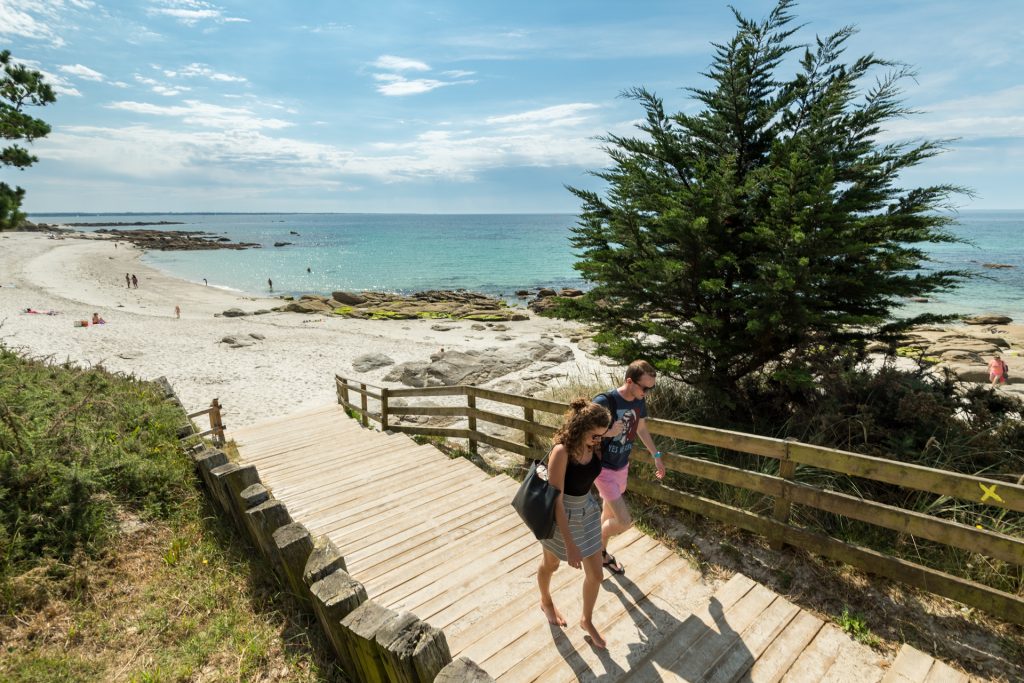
column 657, row 455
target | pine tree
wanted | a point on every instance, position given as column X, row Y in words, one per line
column 766, row 228
column 19, row 87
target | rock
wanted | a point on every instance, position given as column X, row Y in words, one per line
column 997, row 265
column 229, row 340
column 918, row 299
column 292, row 232
column 968, row 373
column 234, row 313
column 371, row 361
column 571, row 292
column 257, row 335
column 441, row 327
column 476, row 367
column 478, row 327
column 989, row 319
column 173, row 240
column 545, row 293
column 522, row 292
column 504, row 337
column 281, row 244
column 313, row 297
column 261, row 311
column 308, row 306
column 500, row 328
column 347, row 298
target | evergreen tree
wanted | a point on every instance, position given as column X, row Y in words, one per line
column 19, row 87
column 769, row 227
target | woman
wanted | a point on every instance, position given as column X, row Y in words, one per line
column 573, row 465
column 996, row 370
column 97, row 320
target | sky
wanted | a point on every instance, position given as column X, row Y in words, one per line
column 447, row 106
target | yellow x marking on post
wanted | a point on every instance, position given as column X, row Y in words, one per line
column 990, row 492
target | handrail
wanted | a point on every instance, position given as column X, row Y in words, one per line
column 782, row 487
column 216, row 424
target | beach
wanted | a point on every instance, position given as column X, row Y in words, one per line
column 292, row 366
column 290, row 369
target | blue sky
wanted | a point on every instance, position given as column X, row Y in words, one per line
column 444, row 106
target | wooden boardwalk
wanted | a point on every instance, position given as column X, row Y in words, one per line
column 437, row 537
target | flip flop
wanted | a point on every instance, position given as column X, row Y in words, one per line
column 611, row 563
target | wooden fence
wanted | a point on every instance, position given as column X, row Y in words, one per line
column 781, row 487
column 216, row 429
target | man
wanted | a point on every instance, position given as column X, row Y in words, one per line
column 628, row 407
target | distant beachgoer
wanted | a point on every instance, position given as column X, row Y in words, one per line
column 115, row 245
column 97, row 320
column 308, row 270
column 997, row 370
column 135, row 281
column 270, row 283
column 128, row 280
column 205, row 282
column 177, row 312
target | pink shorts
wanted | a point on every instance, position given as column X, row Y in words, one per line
column 611, row 484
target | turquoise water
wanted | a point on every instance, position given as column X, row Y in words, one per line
column 495, row 253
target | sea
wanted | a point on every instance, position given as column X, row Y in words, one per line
column 497, row 254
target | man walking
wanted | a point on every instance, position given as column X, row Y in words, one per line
column 628, row 407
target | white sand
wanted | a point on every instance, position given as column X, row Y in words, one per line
column 291, row 369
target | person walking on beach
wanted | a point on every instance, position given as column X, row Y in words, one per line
column 177, row 311
column 997, row 370
column 628, row 407
column 205, row 282
column 573, row 465
column 135, row 281
column 128, row 280
column 270, row 283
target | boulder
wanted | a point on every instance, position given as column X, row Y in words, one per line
column 347, row 298
column 545, row 293
column 571, row 292
column 989, row 319
column 477, row 367
column 257, row 335
column 308, row 306
column 234, row 313
column 997, row 266
column 522, row 292
column 281, row 244
column 371, row 361
column 441, row 327
column 313, row 297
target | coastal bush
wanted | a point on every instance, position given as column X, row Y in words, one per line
column 77, row 446
column 770, row 222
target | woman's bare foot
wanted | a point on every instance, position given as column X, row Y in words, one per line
column 554, row 616
column 593, row 637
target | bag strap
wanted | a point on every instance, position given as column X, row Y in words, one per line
column 612, row 403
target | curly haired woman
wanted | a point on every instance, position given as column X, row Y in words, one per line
column 573, row 465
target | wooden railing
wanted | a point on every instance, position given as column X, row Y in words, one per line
column 782, row 487
column 216, row 429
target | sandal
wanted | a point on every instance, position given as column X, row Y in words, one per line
column 611, row 563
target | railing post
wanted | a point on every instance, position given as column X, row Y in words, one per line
column 528, row 437
column 216, row 423
column 362, row 404
column 782, row 502
column 344, row 393
column 471, row 405
column 383, row 409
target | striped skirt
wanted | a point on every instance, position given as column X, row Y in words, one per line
column 584, row 513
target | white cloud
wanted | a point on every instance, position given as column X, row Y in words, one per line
column 457, row 73
column 560, row 115
column 60, row 85
column 393, row 63
column 191, row 12
column 82, row 72
column 161, row 88
column 196, row 70
column 987, row 115
column 33, row 19
column 398, row 86
column 204, row 115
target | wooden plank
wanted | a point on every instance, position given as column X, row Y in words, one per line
column 911, row 666
column 528, row 637
column 433, row 431
column 632, row 624
column 483, row 637
column 818, row 657
column 963, row 486
column 428, row 392
column 999, row 603
column 721, row 438
column 457, row 411
column 755, row 639
column 527, row 426
column 534, row 453
column 514, row 400
column 780, row 654
column 944, row 673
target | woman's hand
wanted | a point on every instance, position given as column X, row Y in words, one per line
column 572, row 554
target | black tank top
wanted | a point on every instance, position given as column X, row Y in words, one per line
column 579, row 478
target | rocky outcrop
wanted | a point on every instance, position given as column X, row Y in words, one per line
column 989, row 319
column 477, row 367
column 308, row 306
column 176, row 240
column 371, row 361
column 434, row 304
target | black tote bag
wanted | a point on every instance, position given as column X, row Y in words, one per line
column 535, row 503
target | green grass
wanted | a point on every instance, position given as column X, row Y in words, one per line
column 857, row 628
column 114, row 565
